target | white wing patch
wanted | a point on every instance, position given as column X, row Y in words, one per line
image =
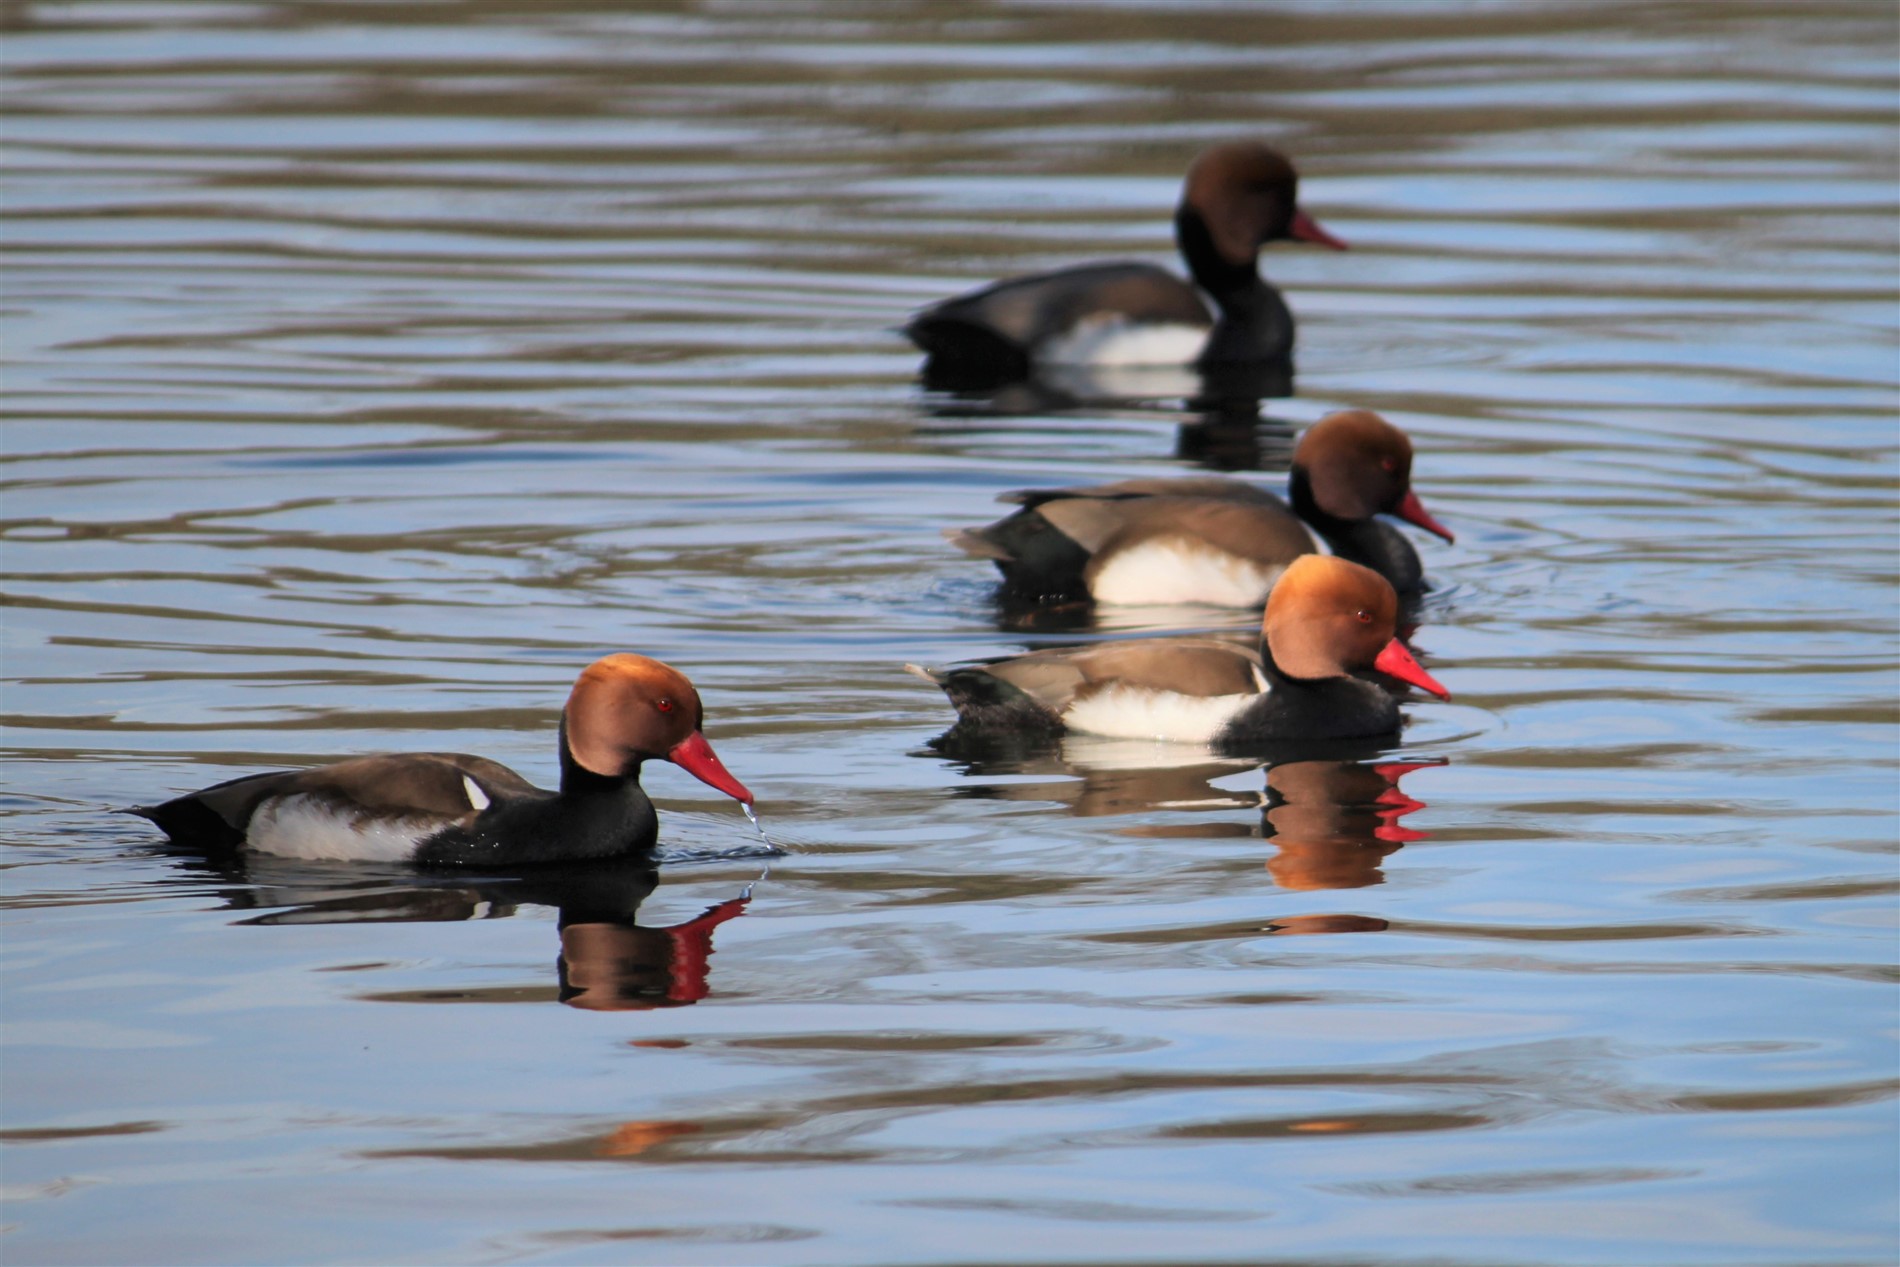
column 1119, row 341
column 476, row 797
column 1260, row 679
column 303, row 826
column 1130, row 712
column 1182, row 571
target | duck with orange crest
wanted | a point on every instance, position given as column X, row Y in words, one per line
column 1211, row 539
column 1326, row 620
column 1237, row 198
column 450, row 809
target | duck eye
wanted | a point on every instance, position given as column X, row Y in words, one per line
column 1362, row 616
column 1390, row 464
column 664, row 705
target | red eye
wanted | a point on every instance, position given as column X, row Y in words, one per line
column 1390, row 464
column 664, row 705
column 1363, row 617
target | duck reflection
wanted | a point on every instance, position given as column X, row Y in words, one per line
column 1101, row 777
column 1332, row 815
column 1216, row 408
column 1334, row 822
column 608, row 960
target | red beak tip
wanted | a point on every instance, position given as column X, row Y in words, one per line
column 1306, row 229
column 695, row 756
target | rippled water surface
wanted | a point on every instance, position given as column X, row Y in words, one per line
column 370, row 368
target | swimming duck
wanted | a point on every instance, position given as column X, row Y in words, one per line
column 1211, row 539
column 1325, row 620
column 443, row 808
column 1237, row 198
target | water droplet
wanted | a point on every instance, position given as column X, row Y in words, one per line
column 777, row 850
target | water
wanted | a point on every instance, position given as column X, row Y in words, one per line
column 372, row 369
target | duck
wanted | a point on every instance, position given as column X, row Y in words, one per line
column 451, row 809
column 1237, row 197
column 1213, row 539
column 1325, row 620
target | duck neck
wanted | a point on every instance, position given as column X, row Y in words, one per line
column 1294, row 708
column 1212, row 271
column 578, row 783
column 1369, row 541
column 1255, row 323
column 1278, row 679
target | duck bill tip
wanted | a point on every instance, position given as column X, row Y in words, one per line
column 1393, row 771
column 1307, row 229
column 695, row 756
column 1413, row 511
column 1396, row 661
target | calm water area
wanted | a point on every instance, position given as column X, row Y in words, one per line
column 370, row 368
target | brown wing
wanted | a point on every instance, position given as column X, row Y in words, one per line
column 1261, row 531
column 1181, row 666
column 1185, row 666
column 1088, row 522
column 411, row 783
column 1025, row 310
column 427, row 783
column 1178, row 486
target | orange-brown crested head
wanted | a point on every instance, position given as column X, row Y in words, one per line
column 1246, row 194
column 1327, row 617
column 628, row 708
column 1358, row 465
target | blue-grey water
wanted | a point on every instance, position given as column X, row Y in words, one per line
column 371, row 368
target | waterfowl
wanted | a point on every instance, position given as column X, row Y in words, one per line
column 1237, row 198
column 1325, row 620
column 1211, row 539
column 444, row 808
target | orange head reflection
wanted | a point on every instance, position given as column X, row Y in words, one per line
column 1335, row 822
column 609, row 966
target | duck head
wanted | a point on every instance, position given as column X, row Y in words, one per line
column 1327, row 617
column 1244, row 194
column 1354, row 465
column 628, row 708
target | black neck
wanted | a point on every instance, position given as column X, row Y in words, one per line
column 1369, row 542
column 1255, row 324
column 579, row 781
column 1307, row 709
column 1214, row 272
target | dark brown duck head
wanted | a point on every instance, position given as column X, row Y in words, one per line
column 1354, row 465
column 1237, row 198
column 626, row 709
column 1330, row 618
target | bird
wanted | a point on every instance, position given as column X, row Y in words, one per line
column 1212, row 539
column 451, row 809
column 1326, row 619
column 1237, row 197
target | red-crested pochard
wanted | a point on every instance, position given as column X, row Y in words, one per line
column 444, row 808
column 1210, row 539
column 1237, row 198
column 1325, row 620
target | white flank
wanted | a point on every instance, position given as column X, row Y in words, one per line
column 477, row 798
column 1179, row 571
column 305, row 827
column 1127, row 712
column 1119, row 341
